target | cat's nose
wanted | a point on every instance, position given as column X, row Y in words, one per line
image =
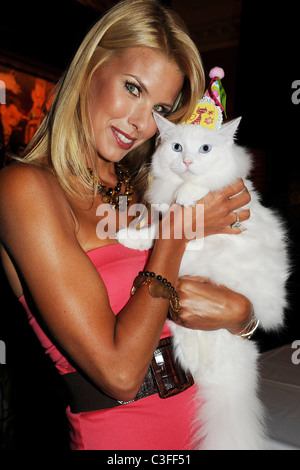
column 187, row 163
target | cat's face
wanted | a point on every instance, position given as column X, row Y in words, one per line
column 192, row 151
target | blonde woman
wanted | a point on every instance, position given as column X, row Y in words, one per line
column 75, row 284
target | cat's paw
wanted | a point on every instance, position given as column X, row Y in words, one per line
column 135, row 239
column 183, row 199
column 188, row 197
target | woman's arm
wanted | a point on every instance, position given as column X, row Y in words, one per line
column 207, row 306
column 38, row 233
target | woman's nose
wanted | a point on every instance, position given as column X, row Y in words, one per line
column 140, row 117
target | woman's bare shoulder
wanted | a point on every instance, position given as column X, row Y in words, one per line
column 19, row 177
column 19, row 181
column 31, row 191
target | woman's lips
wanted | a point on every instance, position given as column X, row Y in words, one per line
column 124, row 141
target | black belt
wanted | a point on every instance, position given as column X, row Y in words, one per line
column 165, row 377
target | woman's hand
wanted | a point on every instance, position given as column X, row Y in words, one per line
column 220, row 208
column 220, row 213
column 207, row 306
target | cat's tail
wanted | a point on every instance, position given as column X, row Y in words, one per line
column 231, row 416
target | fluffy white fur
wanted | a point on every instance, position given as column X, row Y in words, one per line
column 254, row 263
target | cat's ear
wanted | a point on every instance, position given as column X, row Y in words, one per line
column 164, row 126
column 230, row 128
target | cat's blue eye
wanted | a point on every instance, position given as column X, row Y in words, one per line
column 205, row 148
column 176, row 147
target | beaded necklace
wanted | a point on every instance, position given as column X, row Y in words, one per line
column 111, row 195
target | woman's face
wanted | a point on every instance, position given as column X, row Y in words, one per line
column 124, row 93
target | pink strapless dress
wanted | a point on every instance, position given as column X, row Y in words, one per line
column 151, row 423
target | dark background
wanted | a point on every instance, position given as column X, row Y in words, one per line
column 260, row 65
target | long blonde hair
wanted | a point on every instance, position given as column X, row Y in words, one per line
column 64, row 137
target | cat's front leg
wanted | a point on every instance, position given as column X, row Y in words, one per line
column 189, row 194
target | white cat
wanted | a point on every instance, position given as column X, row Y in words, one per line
column 189, row 162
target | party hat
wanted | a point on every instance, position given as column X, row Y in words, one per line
column 209, row 110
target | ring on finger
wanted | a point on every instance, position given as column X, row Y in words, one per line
column 237, row 223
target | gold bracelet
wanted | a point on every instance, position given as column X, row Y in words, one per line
column 159, row 287
column 249, row 330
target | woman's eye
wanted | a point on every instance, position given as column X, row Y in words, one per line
column 133, row 89
column 205, row 148
column 176, row 147
column 160, row 109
